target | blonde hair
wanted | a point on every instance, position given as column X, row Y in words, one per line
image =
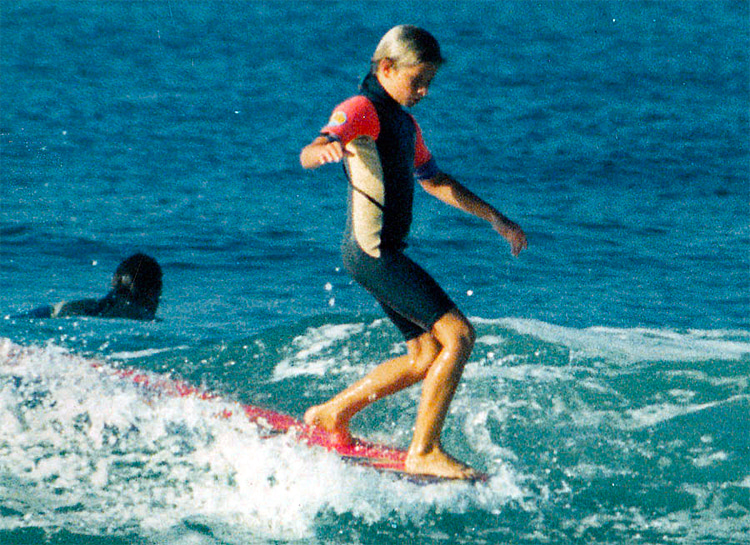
column 407, row 45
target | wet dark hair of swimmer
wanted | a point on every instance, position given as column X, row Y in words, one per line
column 138, row 279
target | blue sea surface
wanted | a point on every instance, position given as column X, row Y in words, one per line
column 608, row 394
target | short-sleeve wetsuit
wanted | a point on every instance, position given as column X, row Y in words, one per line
column 387, row 152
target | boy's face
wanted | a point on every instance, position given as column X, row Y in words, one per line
column 407, row 85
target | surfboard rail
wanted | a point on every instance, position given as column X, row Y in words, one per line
column 358, row 451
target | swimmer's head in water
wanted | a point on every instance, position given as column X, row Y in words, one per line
column 138, row 278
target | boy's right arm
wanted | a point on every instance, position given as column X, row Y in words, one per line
column 320, row 151
column 352, row 118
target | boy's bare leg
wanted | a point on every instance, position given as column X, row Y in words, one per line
column 386, row 379
column 438, row 358
column 426, row 455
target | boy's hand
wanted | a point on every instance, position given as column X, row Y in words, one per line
column 322, row 151
column 332, row 152
column 512, row 232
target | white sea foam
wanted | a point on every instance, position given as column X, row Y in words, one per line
column 632, row 345
column 86, row 448
column 657, row 413
column 128, row 355
column 313, row 353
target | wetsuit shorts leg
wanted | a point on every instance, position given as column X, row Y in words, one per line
column 408, row 294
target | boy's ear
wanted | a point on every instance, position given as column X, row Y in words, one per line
column 386, row 66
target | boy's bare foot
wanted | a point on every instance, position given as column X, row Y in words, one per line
column 319, row 417
column 438, row 463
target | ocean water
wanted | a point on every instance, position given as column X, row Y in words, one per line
column 607, row 395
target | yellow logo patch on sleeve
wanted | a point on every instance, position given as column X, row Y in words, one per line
column 337, row 119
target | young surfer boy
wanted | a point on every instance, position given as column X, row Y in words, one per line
column 383, row 150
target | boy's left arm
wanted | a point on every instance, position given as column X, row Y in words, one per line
column 452, row 192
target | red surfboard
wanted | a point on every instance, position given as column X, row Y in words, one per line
column 358, row 451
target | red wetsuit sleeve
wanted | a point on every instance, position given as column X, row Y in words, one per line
column 352, row 118
column 425, row 166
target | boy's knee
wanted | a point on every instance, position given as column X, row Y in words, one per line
column 466, row 336
column 424, row 352
column 455, row 332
